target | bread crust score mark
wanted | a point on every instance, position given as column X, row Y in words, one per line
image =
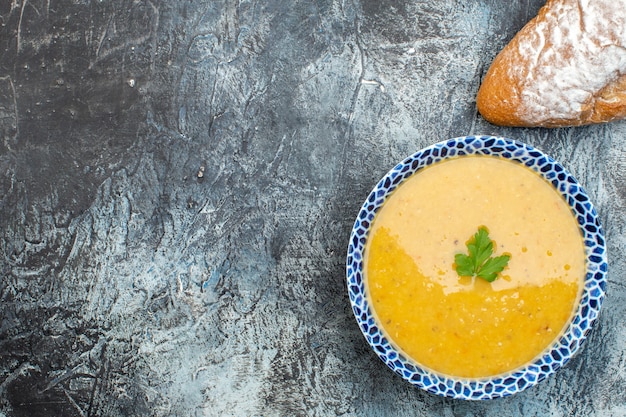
column 566, row 67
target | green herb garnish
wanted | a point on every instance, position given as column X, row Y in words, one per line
column 479, row 262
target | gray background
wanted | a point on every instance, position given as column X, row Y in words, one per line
column 130, row 286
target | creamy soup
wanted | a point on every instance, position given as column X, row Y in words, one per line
column 462, row 326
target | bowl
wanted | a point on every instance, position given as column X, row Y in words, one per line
column 566, row 343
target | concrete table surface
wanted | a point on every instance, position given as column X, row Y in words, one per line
column 178, row 180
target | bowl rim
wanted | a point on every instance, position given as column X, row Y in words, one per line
column 593, row 292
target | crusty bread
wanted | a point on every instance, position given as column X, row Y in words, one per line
column 566, row 67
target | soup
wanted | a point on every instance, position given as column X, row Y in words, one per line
column 462, row 326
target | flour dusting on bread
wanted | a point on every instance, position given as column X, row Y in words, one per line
column 560, row 68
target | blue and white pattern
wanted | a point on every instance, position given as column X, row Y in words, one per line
column 591, row 299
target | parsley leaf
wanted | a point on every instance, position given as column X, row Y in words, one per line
column 490, row 269
column 479, row 262
column 464, row 265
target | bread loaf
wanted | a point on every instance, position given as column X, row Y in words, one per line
column 566, row 67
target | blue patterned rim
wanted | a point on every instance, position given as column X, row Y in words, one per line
column 591, row 299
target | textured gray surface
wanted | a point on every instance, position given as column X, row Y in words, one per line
column 130, row 286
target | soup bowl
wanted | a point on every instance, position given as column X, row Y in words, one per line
column 564, row 343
